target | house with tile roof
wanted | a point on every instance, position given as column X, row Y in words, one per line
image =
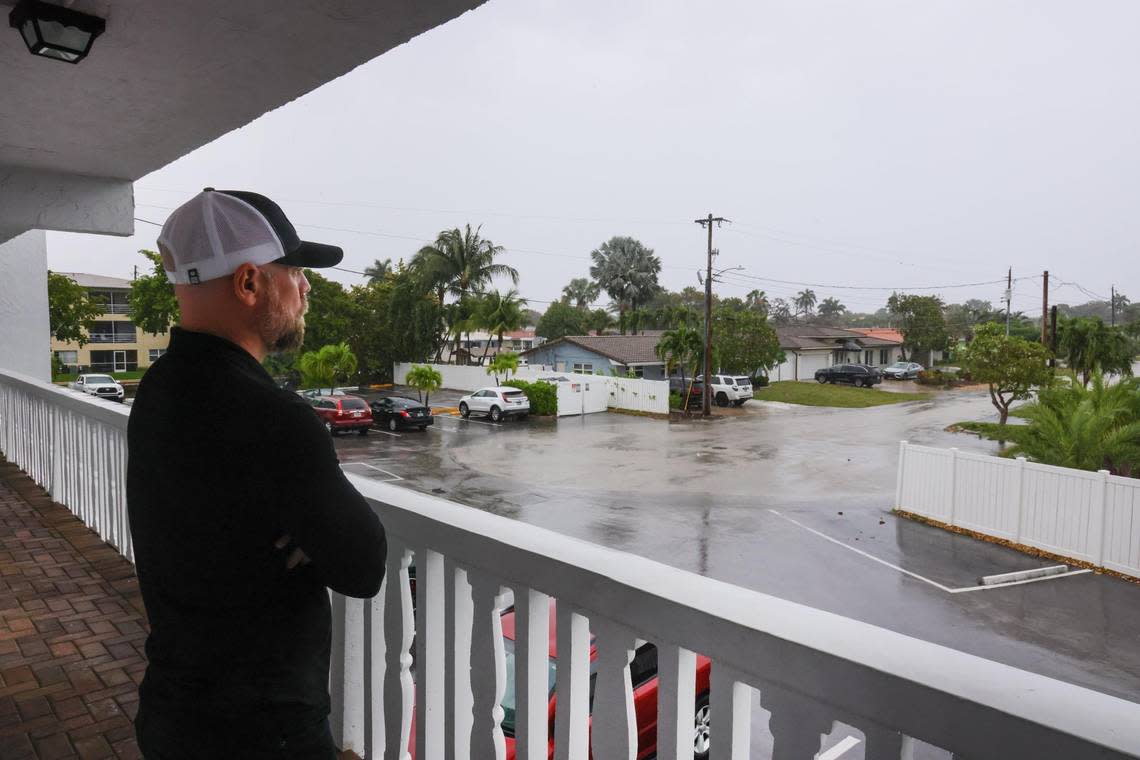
column 601, row 353
column 808, row 348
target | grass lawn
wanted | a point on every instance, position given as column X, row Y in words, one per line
column 991, row 431
column 849, row 397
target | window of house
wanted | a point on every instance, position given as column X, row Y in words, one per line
column 884, row 356
column 154, row 353
column 868, row 356
column 585, row 369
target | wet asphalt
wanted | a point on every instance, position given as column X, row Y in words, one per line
column 777, row 498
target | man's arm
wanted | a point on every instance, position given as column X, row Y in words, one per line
column 323, row 515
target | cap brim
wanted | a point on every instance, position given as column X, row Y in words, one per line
column 313, row 256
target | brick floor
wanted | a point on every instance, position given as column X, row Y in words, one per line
column 72, row 628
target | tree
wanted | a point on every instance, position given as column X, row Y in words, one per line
column 332, row 318
column 562, row 319
column 744, row 341
column 830, row 309
column 581, row 292
column 1087, row 427
column 500, row 313
column 461, row 262
column 627, row 271
column 805, row 302
column 757, row 300
column 71, row 309
column 378, row 270
column 1010, row 366
column 398, row 319
column 921, row 322
column 506, row 363
column 151, row 303
column 1088, row 345
column 780, row 311
column 424, row 379
column 328, row 365
column 680, row 348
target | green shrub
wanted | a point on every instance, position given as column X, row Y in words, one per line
column 543, row 396
column 674, row 400
column 934, row 377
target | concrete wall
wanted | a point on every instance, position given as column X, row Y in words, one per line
column 25, row 338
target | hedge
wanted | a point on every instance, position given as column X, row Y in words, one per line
column 543, row 396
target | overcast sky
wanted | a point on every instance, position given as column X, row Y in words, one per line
column 875, row 144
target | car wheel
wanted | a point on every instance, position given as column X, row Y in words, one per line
column 701, row 726
column 496, row 414
column 464, row 411
column 821, row 379
column 392, row 424
column 329, row 428
column 721, row 399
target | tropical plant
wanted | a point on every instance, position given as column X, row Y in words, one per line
column 71, row 309
column 325, row 367
column 562, row 319
column 580, row 292
column 1010, row 366
column 506, row 363
column 805, row 302
column 627, row 271
column 378, row 270
column 1089, row 427
column 599, row 321
column 500, row 313
column 680, row 348
column 1088, row 345
column 921, row 322
column 424, row 379
column 757, row 300
column 780, row 311
column 743, row 340
column 831, row 309
column 543, row 396
column 151, row 303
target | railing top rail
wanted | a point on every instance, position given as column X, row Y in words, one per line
column 98, row 409
column 904, row 682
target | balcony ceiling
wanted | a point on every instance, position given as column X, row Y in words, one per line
column 168, row 76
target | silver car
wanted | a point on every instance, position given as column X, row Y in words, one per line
column 902, row 370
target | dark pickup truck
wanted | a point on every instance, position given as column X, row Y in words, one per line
column 855, row 374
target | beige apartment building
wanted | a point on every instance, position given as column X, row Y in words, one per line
column 114, row 343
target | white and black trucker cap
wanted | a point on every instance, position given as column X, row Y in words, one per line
column 216, row 231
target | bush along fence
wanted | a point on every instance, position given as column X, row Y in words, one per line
column 1090, row 517
column 543, row 396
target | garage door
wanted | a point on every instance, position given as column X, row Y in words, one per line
column 809, row 363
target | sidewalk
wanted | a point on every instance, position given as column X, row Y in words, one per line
column 72, row 629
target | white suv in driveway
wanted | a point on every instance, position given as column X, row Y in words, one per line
column 729, row 389
column 103, row 386
column 496, row 403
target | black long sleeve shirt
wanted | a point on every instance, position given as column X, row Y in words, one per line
column 222, row 463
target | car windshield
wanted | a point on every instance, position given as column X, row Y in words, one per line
column 100, row 379
column 900, row 365
column 509, row 693
column 742, row 380
column 353, row 403
column 404, row 403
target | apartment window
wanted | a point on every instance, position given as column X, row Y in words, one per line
column 120, row 331
column 154, row 353
column 585, row 369
column 114, row 361
column 69, row 359
column 114, row 301
column 884, row 356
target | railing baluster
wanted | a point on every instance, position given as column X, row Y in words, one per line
column 398, row 631
column 886, row 744
column 352, row 733
column 614, row 724
column 797, row 723
column 730, row 705
column 374, row 727
column 430, row 659
column 459, row 700
column 488, row 668
column 676, row 701
column 572, row 708
column 532, row 686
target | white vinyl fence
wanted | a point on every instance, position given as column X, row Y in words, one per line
column 811, row 668
column 581, row 394
column 1088, row 516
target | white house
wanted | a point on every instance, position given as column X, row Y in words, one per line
column 808, row 348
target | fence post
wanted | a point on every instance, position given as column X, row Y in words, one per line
column 901, row 475
column 1099, row 527
column 953, row 484
column 1019, row 499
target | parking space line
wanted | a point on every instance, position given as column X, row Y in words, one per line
column 916, row 576
column 839, row 749
column 392, row 477
column 481, row 422
column 385, row 432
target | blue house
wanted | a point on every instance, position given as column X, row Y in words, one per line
column 601, row 353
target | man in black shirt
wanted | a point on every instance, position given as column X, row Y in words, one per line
column 240, row 515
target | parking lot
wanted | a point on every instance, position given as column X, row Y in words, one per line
column 789, row 501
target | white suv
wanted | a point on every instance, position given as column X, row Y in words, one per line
column 496, row 403
column 729, row 389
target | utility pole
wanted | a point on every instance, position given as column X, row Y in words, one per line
column 1053, row 335
column 1113, row 305
column 706, row 393
column 1008, row 298
column 1045, row 310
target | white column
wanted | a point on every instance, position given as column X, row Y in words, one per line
column 24, row 305
column 572, row 713
column 676, row 701
column 430, row 661
column 488, row 668
column 730, row 707
column 953, row 490
column 1097, row 521
column 1019, row 499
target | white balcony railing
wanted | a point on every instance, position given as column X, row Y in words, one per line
column 811, row 668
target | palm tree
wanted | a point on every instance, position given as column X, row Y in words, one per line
column 424, row 379
column 506, row 363
column 627, row 271
column 500, row 313
column 331, row 363
column 831, row 308
column 1089, row 345
column 378, row 270
column 757, row 300
column 1089, row 428
column 581, row 292
column 461, row 262
column 805, row 302
column 678, row 348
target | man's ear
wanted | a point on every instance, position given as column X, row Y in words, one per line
column 245, row 284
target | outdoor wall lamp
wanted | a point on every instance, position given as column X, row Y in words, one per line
column 54, row 31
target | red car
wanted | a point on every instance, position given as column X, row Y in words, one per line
column 643, row 672
column 343, row 413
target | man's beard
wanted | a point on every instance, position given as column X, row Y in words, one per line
column 279, row 332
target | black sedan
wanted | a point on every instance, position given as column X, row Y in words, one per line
column 399, row 413
column 856, row 374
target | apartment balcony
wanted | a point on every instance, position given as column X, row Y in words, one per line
column 807, row 668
